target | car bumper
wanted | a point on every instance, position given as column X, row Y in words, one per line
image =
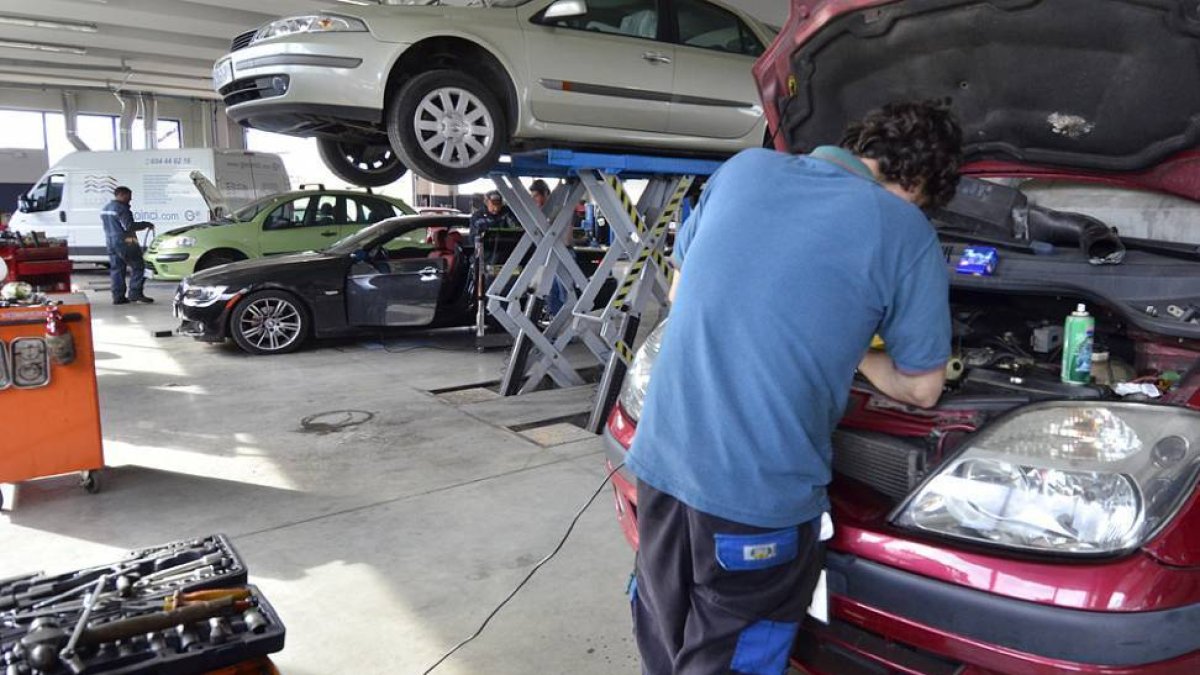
column 170, row 266
column 206, row 324
column 886, row 620
column 286, row 85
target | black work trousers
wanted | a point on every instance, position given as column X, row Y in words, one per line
column 714, row 596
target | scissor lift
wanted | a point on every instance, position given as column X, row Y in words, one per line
column 638, row 232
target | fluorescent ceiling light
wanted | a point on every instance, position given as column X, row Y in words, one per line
column 43, row 47
column 51, row 24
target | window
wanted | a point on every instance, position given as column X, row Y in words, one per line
column 710, row 27
column 22, row 129
column 167, row 133
column 635, row 18
column 46, row 195
column 288, row 215
column 330, row 210
column 366, row 211
column 98, row 131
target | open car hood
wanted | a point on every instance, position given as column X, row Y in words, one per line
column 217, row 206
column 1091, row 88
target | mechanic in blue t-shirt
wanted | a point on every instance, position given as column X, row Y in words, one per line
column 788, row 266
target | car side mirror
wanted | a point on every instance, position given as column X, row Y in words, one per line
column 359, row 255
column 565, row 9
column 23, row 204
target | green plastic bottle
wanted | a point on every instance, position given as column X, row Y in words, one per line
column 1078, row 333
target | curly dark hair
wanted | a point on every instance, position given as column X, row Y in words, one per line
column 917, row 143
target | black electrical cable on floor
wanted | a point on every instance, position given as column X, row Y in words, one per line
column 533, row 571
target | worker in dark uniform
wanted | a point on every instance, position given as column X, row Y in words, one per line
column 733, row 448
column 124, row 253
column 494, row 213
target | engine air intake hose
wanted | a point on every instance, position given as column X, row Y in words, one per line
column 1097, row 240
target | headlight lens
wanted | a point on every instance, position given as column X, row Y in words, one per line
column 633, row 392
column 1076, row 478
column 203, row 296
column 312, row 23
column 179, row 242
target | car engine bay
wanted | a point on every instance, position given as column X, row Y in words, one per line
column 1008, row 332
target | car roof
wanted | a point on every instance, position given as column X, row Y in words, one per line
column 337, row 192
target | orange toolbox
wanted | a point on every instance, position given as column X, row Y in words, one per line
column 49, row 409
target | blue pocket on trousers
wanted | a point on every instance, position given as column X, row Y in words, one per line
column 745, row 552
column 763, row 648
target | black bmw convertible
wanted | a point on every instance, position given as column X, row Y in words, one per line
column 411, row 271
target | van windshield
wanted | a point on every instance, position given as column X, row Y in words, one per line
column 45, row 196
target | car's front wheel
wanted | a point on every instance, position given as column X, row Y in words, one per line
column 269, row 322
column 447, row 126
column 361, row 164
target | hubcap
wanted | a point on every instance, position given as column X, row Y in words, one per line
column 453, row 127
column 368, row 158
column 270, row 324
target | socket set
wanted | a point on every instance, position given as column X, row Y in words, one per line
column 175, row 609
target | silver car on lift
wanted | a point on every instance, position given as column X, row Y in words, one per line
column 444, row 90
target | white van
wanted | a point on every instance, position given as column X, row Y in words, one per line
column 66, row 201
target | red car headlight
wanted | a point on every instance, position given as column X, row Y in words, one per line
column 1064, row 477
column 633, row 391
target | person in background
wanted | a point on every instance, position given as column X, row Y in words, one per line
column 124, row 252
column 539, row 191
column 494, row 213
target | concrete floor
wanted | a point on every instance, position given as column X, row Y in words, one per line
column 381, row 545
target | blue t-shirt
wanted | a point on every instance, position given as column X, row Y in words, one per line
column 789, row 265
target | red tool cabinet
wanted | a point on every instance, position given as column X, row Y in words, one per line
column 46, row 267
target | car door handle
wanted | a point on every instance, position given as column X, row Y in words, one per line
column 656, row 57
column 329, row 233
column 428, row 274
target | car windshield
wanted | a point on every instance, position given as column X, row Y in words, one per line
column 247, row 212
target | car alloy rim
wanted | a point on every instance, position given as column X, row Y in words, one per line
column 270, row 324
column 368, row 158
column 454, row 128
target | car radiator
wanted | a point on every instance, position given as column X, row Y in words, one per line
column 891, row 465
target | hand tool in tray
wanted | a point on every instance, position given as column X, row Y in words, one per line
column 176, row 609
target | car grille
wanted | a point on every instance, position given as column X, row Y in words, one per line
column 254, row 89
column 242, row 41
column 891, row 465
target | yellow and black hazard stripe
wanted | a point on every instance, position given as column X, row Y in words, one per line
column 648, row 252
column 624, row 352
column 627, row 204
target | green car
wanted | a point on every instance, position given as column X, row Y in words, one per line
column 290, row 222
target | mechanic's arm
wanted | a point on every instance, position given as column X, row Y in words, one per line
column 916, row 330
column 919, row 389
column 125, row 217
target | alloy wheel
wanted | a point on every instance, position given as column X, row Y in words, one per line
column 270, row 324
column 453, row 127
column 368, row 158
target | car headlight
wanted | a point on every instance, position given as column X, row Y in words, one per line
column 311, row 23
column 1067, row 478
column 203, row 296
column 633, row 391
column 179, row 242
